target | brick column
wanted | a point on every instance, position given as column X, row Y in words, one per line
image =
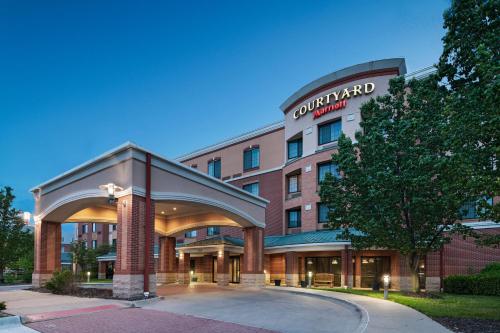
column 184, row 266
column 101, row 271
column 128, row 280
column 167, row 270
column 291, row 269
column 432, row 271
column 346, row 278
column 47, row 252
column 253, row 259
column 357, row 273
column 223, row 268
column 206, row 272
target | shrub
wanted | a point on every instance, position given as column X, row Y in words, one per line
column 62, row 283
column 485, row 283
column 492, row 269
column 2, row 306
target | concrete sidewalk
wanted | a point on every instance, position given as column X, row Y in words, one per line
column 383, row 316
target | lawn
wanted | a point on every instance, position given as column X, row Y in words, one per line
column 100, row 281
column 444, row 305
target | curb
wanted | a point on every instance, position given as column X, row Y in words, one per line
column 363, row 313
column 143, row 302
column 6, row 322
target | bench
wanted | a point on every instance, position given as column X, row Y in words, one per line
column 323, row 278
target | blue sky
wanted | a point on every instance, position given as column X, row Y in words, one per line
column 78, row 78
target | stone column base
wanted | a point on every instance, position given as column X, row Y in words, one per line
column 292, row 280
column 253, row 280
column 132, row 285
column 38, row 280
column 205, row 277
column 433, row 283
column 184, row 278
column 223, row 279
column 405, row 283
column 347, row 283
column 163, row 277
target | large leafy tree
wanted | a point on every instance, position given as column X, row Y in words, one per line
column 15, row 239
column 470, row 68
column 399, row 186
column 86, row 258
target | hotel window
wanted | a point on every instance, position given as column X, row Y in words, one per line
column 84, row 229
column 114, row 227
column 94, row 244
column 325, row 168
column 323, row 211
column 252, row 188
column 293, row 184
column 214, row 167
column 294, row 148
column 212, row 231
column 251, row 157
column 329, row 132
column 190, row 234
column 469, row 210
column 194, row 166
column 85, row 245
column 113, row 243
column 93, row 227
column 293, row 217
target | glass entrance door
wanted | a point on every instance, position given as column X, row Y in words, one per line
column 234, row 269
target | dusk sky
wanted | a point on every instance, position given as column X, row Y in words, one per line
column 78, row 78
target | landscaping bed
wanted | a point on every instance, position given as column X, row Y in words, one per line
column 81, row 292
column 459, row 313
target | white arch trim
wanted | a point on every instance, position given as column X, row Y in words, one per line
column 164, row 196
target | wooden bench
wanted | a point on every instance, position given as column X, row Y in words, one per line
column 323, row 278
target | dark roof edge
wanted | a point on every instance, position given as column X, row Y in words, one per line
column 375, row 65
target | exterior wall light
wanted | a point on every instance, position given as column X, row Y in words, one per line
column 111, row 189
column 335, row 262
column 220, row 253
column 386, row 279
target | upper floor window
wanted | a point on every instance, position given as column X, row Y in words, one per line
column 294, row 148
column 114, row 227
column 212, row 231
column 329, row 132
column 293, row 217
column 113, row 243
column 325, row 168
column 251, row 157
column 194, row 166
column 252, row 188
column 84, row 229
column 214, row 167
column 94, row 227
column 469, row 210
column 323, row 212
column 94, row 244
column 191, row 234
column 293, row 183
column 85, row 245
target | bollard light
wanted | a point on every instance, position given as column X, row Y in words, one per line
column 146, row 294
column 310, row 275
column 88, row 277
column 386, row 279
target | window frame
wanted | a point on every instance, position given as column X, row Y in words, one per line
column 299, row 218
column 191, row 233
column 251, row 150
column 322, row 164
column 252, row 185
column 288, row 178
column 211, row 231
column 318, row 212
column 215, row 162
column 297, row 141
column 329, row 124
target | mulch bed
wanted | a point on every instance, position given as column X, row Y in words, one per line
column 470, row 325
column 82, row 292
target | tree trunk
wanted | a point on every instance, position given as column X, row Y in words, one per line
column 1, row 274
column 412, row 264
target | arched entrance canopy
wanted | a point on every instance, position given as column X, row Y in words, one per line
column 145, row 184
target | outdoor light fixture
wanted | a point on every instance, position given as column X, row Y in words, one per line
column 265, row 272
column 220, row 253
column 191, row 272
column 181, row 255
column 310, row 275
column 175, row 208
column 111, row 189
column 88, row 277
column 335, row 262
column 146, row 294
column 309, row 262
column 386, row 279
column 163, row 212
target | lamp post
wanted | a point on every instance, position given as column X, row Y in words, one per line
column 386, row 278
column 88, row 277
column 310, row 275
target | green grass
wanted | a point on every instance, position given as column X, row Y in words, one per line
column 444, row 305
column 100, row 281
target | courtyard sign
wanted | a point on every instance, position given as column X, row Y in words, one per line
column 334, row 100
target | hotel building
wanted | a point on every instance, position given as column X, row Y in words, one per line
column 282, row 164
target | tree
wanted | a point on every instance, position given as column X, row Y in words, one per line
column 86, row 258
column 470, row 68
column 14, row 238
column 399, row 187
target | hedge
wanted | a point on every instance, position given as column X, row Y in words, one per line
column 485, row 283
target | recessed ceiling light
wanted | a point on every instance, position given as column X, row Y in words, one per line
column 163, row 212
column 175, row 208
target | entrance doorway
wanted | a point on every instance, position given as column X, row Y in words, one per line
column 234, row 269
column 372, row 271
column 331, row 266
